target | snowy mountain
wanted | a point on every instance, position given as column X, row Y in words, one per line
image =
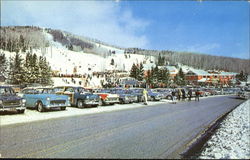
column 99, row 57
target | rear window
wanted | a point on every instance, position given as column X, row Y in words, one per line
column 6, row 91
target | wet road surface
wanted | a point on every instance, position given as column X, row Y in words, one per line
column 151, row 132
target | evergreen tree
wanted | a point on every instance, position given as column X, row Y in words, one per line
column 161, row 60
column 45, row 72
column 149, row 79
column 140, row 73
column 16, row 70
column 70, row 47
column 27, row 68
column 241, row 76
column 34, row 69
column 166, row 78
column 134, row 71
column 3, row 65
column 112, row 62
column 155, row 74
column 180, row 78
column 21, row 43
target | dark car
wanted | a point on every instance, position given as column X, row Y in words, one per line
column 9, row 101
column 79, row 97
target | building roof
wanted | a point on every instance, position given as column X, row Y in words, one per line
column 198, row 72
column 148, row 66
column 228, row 73
column 171, row 69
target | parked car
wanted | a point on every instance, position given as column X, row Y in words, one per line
column 124, row 96
column 137, row 92
column 9, row 101
column 166, row 93
column 79, row 97
column 154, row 96
column 106, row 97
column 244, row 94
column 44, row 99
column 210, row 91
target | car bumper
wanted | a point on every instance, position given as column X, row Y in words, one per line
column 13, row 108
column 91, row 102
column 55, row 106
column 111, row 101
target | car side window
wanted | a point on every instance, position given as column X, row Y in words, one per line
column 70, row 90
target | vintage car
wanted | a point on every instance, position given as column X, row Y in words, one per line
column 9, row 101
column 107, row 98
column 166, row 93
column 79, row 97
column 154, row 96
column 43, row 99
column 137, row 92
column 124, row 96
column 244, row 94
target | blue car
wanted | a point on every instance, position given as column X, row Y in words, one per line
column 44, row 98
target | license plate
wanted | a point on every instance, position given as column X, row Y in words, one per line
column 12, row 109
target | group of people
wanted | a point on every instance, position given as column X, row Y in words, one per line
column 181, row 94
column 177, row 94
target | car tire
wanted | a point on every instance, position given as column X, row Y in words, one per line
column 63, row 108
column 40, row 107
column 169, row 97
column 21, row 111
column 79, row 104
column 101, row 103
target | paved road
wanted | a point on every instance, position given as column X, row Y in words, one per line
column 150, row 132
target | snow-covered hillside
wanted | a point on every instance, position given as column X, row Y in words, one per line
column 64, row 61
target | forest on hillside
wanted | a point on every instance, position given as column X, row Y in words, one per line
column 14, row 39
column 200, row 61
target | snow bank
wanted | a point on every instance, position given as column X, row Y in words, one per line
column 232, row 139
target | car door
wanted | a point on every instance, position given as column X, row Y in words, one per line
column 29, row 96
column 69, row 91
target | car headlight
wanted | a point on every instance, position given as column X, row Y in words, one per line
column 23, row 100
column 1, row 102
column 48, row 98
column 87, row 97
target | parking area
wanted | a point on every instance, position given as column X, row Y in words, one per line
column 8, row 118
column 30, row 115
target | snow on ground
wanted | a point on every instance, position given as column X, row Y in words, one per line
column 232, row 139
column 33, row 115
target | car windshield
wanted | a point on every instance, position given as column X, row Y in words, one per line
column 47, row 91
column 6, row 91
column 81, row 90
column 58, row 89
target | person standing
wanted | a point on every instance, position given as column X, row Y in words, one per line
column 183, row 94
column 197, row 94
column 189, row 95
column 179, row 94
column 145, row 95
column 174, row 96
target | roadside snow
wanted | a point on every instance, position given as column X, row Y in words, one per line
column 232, row 139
